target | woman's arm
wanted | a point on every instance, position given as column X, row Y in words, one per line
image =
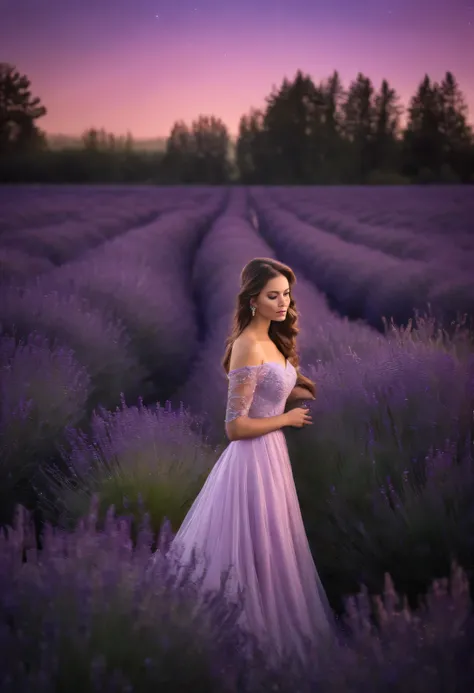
column 242, row 382
column 243, row 427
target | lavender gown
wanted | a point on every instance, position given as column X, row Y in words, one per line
column 247, row 516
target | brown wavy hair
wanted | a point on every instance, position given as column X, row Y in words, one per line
column 253, row 279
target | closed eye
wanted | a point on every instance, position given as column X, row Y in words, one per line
column 273, row 297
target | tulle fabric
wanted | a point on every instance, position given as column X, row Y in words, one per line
column 247, row 517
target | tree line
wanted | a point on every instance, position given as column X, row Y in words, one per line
column 307, row 134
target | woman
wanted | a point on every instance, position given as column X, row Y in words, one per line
column 247, row 514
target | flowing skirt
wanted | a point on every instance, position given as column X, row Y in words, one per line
column 247, row 517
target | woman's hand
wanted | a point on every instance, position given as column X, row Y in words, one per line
column 298, row 417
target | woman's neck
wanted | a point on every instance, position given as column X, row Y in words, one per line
column 261, row 329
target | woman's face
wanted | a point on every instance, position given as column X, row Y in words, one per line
column 273, row 301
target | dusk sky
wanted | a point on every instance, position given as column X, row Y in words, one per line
column 140, row 65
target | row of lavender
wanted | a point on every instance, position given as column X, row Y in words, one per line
column 43, row 227
column 368, row 273
column 432, row 240
column 383, row 403
column 386, row 474
column 435, row 211
column 118, row 319
column 88, row 613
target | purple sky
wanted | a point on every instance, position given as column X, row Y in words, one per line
column 140, row 65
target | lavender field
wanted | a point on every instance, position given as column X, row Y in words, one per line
column 115, row 304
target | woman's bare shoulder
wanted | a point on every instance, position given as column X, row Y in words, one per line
column 246, row 351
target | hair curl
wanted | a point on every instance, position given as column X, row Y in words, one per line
column 253, row 278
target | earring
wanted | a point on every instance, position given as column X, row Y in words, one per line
column 252, row 310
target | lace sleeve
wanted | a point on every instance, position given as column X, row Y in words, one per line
column 242, row 384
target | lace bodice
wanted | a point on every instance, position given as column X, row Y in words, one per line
column 259, row 391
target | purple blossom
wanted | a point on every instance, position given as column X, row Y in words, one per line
column 139, row 459
column 92, row 612
column 361, row 278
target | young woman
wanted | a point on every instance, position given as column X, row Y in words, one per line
column 247, row 515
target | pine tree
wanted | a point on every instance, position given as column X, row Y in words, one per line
column 387, row 113
column 359, row 117
column 18, row 113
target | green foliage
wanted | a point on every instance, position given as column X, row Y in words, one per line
column 136, row 459
column 43, row 389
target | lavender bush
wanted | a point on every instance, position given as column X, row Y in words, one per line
column 424, row 223
column 89, row 612
column 135, row 459
column 99, row 343
column 434, row 210
column 377, row 426
column 58, row 243
column 43, row 389
column 364, row 282
column 394, row 222
column 141, row 280
column 16, row 266
column 46, row 227
column 133, row 285
column 54, row 307
column 105, row 208
column 397, row 242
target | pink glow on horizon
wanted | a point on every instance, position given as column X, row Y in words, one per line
column 143, row 82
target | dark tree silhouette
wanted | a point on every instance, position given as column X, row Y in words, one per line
column 90, row 140
column 179, row 154
column 251, row 152
column 290, row 123
column 199, row 154
column 438, row 139
column 330, row 145
column 359, row 119
column 386, row 129
column 19, row 112
column 423, row 140
column 102, row 141
column 211, row 143
column 307, row 133
column 456, row 134
column 129, row 143
column 333, row 93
